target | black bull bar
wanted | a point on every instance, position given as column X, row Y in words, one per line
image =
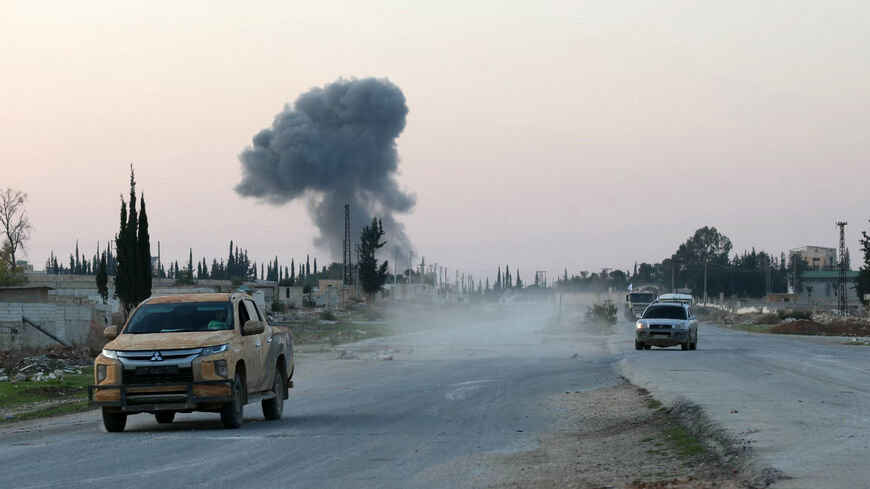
column 159, row 400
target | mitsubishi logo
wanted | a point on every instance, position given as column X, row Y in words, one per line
column 157, row 357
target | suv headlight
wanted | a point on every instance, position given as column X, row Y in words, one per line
column 639, row 325
column 681, row 325
column 211, row 350
column 110, row 354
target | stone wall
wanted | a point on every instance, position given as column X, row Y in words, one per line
column 70, row 323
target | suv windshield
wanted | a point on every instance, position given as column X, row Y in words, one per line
column 664, row 312
column 183, row 316
column 641, row 298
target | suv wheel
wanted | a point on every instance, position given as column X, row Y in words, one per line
column 232, row 413
column 694, row 345
column 114, row 422
column 274, row 408
column 638, row 345
column 164, row 417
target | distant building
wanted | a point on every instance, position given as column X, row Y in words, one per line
column 28, row 267
column 821, row 286
column 324, row 284
column 25, row 293
column 817, row 258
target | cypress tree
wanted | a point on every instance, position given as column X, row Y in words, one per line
column 292, row 270
column 231, row 262
column 123, row 269
column 144, row 244
column 307, row 266
column 132, row 252
column 103, row 279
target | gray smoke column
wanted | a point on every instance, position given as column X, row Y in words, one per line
column 335, row 145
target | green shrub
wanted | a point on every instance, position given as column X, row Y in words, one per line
column 767, row 319
column 327, row 315
column 602, row 313
column 278, row 306
column 795, row 314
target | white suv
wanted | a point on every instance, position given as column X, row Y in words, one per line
column 667, row 324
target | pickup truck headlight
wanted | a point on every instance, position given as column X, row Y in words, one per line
column 639, row 325
column 110, row 354
column 211, row 350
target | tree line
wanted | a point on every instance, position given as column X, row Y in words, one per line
column 704, row 258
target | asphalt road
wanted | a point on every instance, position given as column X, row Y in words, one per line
column 468, row 389
column 801, row 403
column 364, row 423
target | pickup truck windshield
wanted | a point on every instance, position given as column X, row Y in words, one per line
column 184, row 316
column 664, row 312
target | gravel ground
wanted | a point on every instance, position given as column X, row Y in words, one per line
column 613, row 437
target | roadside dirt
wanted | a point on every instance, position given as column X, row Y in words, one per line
column 838, row 328
column 616, row 437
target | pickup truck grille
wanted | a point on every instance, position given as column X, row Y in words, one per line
column 139, row 377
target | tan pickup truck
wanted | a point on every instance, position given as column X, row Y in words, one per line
column 196, row 352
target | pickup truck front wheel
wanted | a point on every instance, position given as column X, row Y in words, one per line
column 233, row 411
column 114, row 422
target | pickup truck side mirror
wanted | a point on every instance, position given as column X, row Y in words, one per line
column 111, row 332
column 253, row 327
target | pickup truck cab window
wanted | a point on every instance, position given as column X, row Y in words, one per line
column 181, row 317
column 243, row 315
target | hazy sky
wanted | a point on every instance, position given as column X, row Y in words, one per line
column 541, row 134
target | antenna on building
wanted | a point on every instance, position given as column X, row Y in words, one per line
column 348, row 277
column 842, row 298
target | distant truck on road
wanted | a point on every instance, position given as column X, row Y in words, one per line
column 196, row 352
column 637, row 301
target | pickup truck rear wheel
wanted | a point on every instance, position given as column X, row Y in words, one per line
column 114, row 422
column 232, row 414
column 164, row 417
column 274, row 408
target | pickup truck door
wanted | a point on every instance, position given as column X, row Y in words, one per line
column 251, row 347
column 263, row 345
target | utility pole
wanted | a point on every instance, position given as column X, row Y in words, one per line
column 410, row 271
column 705, row 282
column 395, row 272
column 842, row 298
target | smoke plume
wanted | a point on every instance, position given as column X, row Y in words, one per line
column 335, row 145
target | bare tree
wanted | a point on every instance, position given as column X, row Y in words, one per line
column 14, row 223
